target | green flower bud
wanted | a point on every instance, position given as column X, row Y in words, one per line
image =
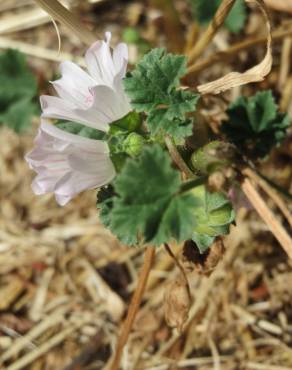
column 212, row 157
column 134, row 144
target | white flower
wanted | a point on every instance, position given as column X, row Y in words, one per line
column 67, row 164
column 95, row 99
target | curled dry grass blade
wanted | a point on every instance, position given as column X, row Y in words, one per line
column 254, row 74
column 63, row 15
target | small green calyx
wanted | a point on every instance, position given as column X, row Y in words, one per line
column 134, row 144
column 129, row 123
column 119, row 160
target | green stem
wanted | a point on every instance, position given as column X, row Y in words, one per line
column 188, row 185
column 177, row 158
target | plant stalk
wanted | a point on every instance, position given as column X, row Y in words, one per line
column 267, row 215
column 270, row 192
column 211, row 31
column 134, row 306
column 177, row 158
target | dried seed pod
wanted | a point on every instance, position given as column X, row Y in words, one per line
column 177, row 303
column 203, row 263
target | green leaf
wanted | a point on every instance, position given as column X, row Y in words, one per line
column 153, row 78
column 132, row 36
column 176, row 128
column 148, row 205
column 18, row 86
column 153, row 87
column 237, row 17
column 213, row 214
column 16, row 80
column 81, row 130
column 203, row 241
column 255, row 125
column 204, row 11
column 18, row 116
column 104, row 202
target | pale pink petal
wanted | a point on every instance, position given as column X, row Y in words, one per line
column 95, row 100
column 74, row 85
column 62, row 200
column 54, row 107
column 96, row 146
column 110, row 103
column 120, row 58
column 99, row 62
column 75, row 182
column 67, row 164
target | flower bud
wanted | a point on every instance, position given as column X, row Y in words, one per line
column 134, row 144
column 212, row 157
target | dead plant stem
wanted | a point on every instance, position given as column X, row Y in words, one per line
column 235, row 49
column 267, row 215
column 134, row 306
column 211, row 31
column 270, row 192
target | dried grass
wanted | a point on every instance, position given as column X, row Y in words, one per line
column 56, row 295
column 65, row 284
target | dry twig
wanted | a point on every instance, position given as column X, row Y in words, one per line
column 267, row 215
column 211, row 31
column 271, row 193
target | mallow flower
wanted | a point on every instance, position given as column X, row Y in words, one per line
column 65, row 163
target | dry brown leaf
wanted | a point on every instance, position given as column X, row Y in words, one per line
column 254, row 74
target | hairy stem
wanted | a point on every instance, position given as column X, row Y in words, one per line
column 210, row 32
column 134, row 306
column 188, row 185
column 177, row 158
column 268, row 217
